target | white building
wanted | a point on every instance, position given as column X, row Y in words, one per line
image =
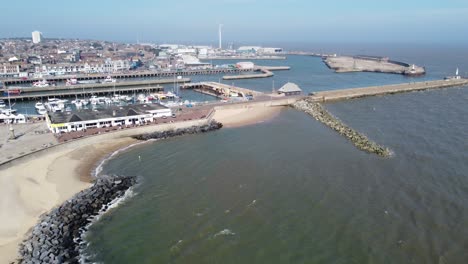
column 129, row 115
column 245, row 65
column 36, row 37
column 9, row 70
column 270, row 50
column 248, row 49
column 190, row 51
column 290, row 89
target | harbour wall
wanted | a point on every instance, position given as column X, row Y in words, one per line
column 142, row 74
column 345, row 94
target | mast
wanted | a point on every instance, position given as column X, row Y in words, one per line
column 12, row 131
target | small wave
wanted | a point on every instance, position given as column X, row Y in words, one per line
column 225, row 232
column 100, row 167
column 252, row 203
column 83, row 245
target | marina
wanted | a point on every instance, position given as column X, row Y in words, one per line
column 32, row 93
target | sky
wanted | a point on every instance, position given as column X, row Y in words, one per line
column 256, row 22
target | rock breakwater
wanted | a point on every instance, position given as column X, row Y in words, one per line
column 57, row 237
column 213, row 125
column 317, row 111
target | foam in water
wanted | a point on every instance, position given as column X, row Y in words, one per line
column 225, row 232
column 84, row 258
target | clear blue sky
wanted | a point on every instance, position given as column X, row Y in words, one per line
column 254, row 21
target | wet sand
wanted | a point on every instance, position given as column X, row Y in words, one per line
column 236, row 117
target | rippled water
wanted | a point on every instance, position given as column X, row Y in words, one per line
column 292, row 191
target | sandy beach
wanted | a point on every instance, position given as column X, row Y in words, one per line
column 33, row 187
column 248, row 115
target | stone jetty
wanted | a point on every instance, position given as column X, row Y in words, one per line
column 213, row 125
column 317, row 111
column 57, row 237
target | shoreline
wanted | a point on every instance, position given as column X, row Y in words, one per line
column 249, row 115
column 31, row 188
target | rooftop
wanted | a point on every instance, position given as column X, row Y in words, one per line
column 110, row 112
column 290, row 87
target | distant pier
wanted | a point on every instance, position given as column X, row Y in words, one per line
column 266, row 72
column 97, row 91
column 96, row 88
column 145, row 74
column 263, row 57
column 344, row 94
column 220, row 90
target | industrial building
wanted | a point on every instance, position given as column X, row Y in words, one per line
column 130, row 115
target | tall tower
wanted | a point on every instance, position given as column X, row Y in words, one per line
column 220, row 36
column 36, row 37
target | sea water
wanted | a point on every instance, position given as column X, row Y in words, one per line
column 291, row 190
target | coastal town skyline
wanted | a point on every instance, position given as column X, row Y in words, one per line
column 233, row 131
column 244, row 21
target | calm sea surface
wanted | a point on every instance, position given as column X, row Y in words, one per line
column 291, row 190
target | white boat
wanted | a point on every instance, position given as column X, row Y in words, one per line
column 78, row 103
column 109, row 79
column 42, row 111
column 141, row 98
column 94, row 100
column 171, row 95
column 41, row 83
column 8, row 111
column 39, row 106
column 2, row 104
column 57, row 108
column 72, row 81
column 87, row 82
column 12, row 118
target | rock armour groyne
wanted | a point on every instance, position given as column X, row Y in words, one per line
column 317, row 111
column 57, row 237
column 213, row 125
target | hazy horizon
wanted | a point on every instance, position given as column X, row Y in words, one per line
column 245, row 21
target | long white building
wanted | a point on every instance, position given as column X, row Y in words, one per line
column 137, row 114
